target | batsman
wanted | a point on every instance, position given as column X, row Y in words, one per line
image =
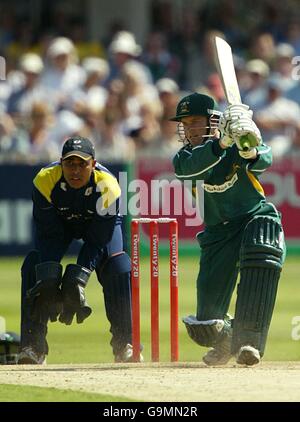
column 75, row 198
column 243, row 232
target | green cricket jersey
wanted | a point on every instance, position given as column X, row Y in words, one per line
column 231, row 185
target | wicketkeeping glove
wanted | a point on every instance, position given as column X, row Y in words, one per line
column 74, row 302
column 44, row 298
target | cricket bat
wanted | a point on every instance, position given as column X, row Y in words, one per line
column 225, row 66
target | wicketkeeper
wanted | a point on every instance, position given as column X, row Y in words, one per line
column 75, row 198
column 243, row 232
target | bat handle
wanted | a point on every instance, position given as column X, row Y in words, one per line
column 247, row 142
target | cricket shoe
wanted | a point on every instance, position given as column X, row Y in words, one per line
column 215, row 357
column 248, row 355
column 126, row 355
column 220, row 354
column 28, row 356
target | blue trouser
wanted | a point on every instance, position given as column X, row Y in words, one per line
column 54, row 250
column 114, row 278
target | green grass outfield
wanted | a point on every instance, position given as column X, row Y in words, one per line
column 89, row 342
column 21, row 393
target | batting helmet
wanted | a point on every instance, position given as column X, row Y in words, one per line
column 195, row 104
column 9, row 348
column 198, row 105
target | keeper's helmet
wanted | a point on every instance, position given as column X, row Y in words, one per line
column 197, row 105
column 9, row 348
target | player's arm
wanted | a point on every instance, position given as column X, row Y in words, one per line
column 47, row 221
column 101, row 228
column 197, row 162
column 98, row 234
column 49, row 230
column 262, row 161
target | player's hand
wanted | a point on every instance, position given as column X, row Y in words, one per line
column 231, row 115
column 226, row 142
column 226, row 139
column 242, row 127
column 251, row 154
column 44, row 298
column 74, row 302
column 45, row 301
column 233, row 112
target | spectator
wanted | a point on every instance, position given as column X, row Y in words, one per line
column 258, row 72
column 148, row 134
column 114, row 144
column 161, row 62
column 33, row 143
column 293, row 35
column 62, row 75
column 283, row 65
column 215, row 89
column 7, row 129
column 5, row 92
column 21, row 101
column 202, row 63
column 278, row 119
column 295, row 148
column 263, row 47
column 293, row 94
column 137, row 91
column 92, row 93
column 168, row 92
column 67, row 124
column 123, row 49
column 184, row 43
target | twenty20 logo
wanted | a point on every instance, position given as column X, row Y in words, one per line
column 135, row 256
column 174, row 266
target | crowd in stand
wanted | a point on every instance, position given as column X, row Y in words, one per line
column 121, row 95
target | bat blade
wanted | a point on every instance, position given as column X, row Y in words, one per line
column 224, row 62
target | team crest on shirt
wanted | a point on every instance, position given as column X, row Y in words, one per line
column 63, row 186
column 235, row 168
column 88, row 191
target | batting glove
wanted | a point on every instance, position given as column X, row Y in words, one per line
column 251, row 154
column 226, row 142
column 245, row 127
column 226, row 139
column 233, row 112
column 231, row 115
